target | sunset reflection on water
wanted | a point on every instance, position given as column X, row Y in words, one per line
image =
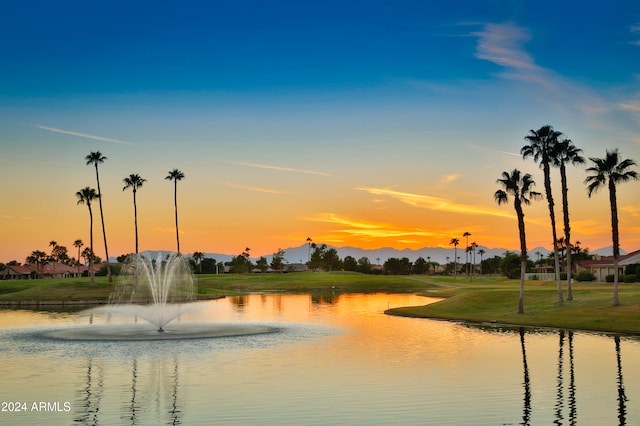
column 338, row 359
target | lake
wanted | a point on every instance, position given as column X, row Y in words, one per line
column 335, row 359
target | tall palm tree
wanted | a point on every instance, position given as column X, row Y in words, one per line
column 175, row 175
column 86, row 196
column 519, row 187
column 566, row 153
column 610, row 171
column 474, row 246
column 53, row 244
column 78, row 243
column 455, row 243
column 481, row 252
column 96, row 158
column 541, row 148
column 309, row 241
column 466, row 254
column 134, row 181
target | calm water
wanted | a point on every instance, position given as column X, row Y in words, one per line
column 336, row 360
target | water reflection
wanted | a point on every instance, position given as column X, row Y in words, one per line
column 565, row 393
column 526, row 411
column 622, row 397
column 90, row 395
column 560, row 385
column 572, row 385
column 369, row 368
column 133, row 407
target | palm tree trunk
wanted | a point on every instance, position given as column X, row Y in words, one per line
column 552, row 215
column 616, row 242
column 523, row 252
column 91, row 244
column 104, row 232
column 175, row 203
column 567, row 227
column 135, row 218
column 455, row 264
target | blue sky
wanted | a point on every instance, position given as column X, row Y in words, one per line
column 310, row 110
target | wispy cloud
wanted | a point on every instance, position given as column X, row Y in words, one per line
column 630, row 106
column 632, row 210
column 278, row 168
column 254, row 188
column 368, row 229
column 81, row 135
column 451, row 177
column 635, row 31
column 502, row 44
column 436, row 203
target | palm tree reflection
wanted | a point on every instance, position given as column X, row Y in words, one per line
column 622, row 397
column 90, row 396
column 526, row 411
column 560, row 398
column 572, row 385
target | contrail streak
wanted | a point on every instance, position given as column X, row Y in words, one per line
column 81, row 135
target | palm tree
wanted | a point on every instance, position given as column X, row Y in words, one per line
column 86, row 196
column 197, row 257
column 78, row 243
column 518, row 187
column 611, row 171
column 541, row 148
column 96, row 158
column 474, row 246
column 175, row 175
column 309, row 241
column 481, row 252
column 38, row 258
column 466, row 254
column 566, row 152
column 134, row 181
column 455, row 243
column 53, row 244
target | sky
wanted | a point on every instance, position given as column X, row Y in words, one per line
column 377, row 123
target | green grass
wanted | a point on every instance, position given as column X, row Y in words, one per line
column 496, row 300
column 69, row 289
column 489, row 299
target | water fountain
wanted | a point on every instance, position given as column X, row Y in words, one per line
column 156, row 290
column 159, row 292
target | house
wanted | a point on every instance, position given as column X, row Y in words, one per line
column 19, row 272
column 59, row 270
column 601, row 266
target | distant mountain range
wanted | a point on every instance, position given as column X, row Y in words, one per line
column 437, row 254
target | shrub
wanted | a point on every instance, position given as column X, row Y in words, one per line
column 632, row 269
column 629, row 278
column 115, row 270
column 563, row 276
column 609, row 278
column 585, row 276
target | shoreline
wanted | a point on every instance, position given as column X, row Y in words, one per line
column 89, row 302
column 496, row 324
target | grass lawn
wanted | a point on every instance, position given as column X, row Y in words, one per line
column 496, row 300
column 489, row 299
